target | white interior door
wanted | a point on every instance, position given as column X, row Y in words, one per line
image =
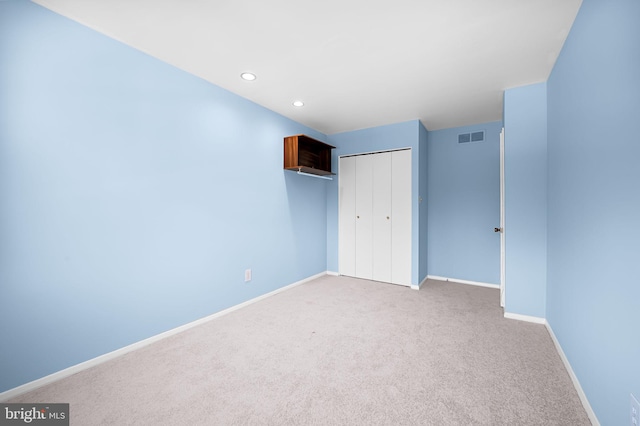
column 381, row 164
column 401, row 217
column 347, row 216
column 364, row 219
column 502, row 230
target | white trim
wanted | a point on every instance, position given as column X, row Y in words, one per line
column 527, row 318
column 455, row 280
column 574, row 378
column 58, row 375
column 419, row 286
column 503, row 236
column 333, row 274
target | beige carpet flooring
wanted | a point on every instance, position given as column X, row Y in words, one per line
column 337, row 351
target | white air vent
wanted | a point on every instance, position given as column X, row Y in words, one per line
column 471, row 137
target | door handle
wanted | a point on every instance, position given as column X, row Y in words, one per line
column 497, row 229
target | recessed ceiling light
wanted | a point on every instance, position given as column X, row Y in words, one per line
column 248, row 76
column 298, row 103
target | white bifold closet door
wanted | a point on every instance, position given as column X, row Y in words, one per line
column 347, row 209
column 381, row 213
column 364, row 217
column 375, row 216
column 401, row 214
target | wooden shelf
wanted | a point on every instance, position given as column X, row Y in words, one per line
column 305, row 154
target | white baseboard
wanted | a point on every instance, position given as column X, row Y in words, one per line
column 332, row 273
column 574, row 378
column 454, row 280
column 419, row 286
column 27, row 387
column 527, row 318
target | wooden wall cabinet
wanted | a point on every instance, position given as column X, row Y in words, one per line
column 305, row 154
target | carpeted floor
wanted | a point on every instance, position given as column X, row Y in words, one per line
column 337, row 351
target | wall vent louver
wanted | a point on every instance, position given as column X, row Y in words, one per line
column 471, row 137
column 477, row 136
column 464, row 137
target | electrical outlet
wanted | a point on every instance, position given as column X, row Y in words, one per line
column 634, row 414
column 247, row 275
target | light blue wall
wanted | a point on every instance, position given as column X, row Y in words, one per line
column 525, row 168
column 464, row 204
column 127, row 208
column 594, row 203
column 134, row 195
column 423, row 192
column 401, row 135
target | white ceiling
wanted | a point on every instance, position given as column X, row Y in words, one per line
column 354, row 63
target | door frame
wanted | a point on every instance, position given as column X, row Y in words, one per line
column 503, row 284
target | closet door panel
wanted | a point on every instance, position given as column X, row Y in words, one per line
column 364, row 222
column 381, row 217
column 347, row 216
column 401, row 217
